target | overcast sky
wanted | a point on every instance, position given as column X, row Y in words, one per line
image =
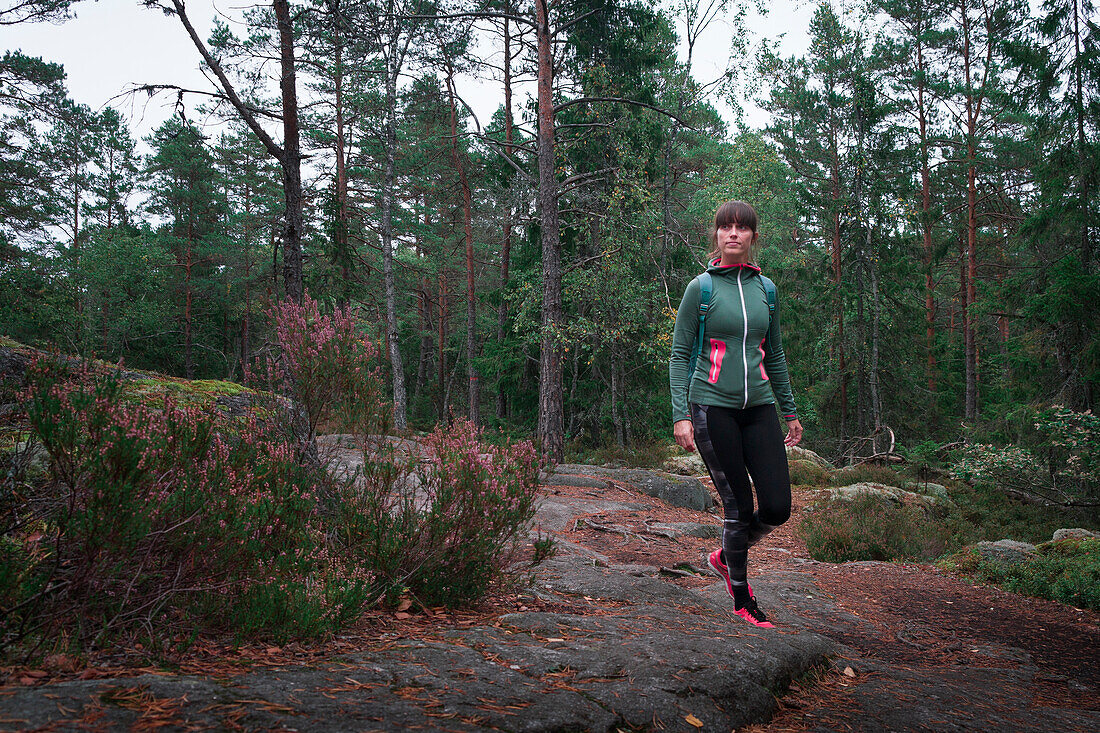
column 112, row 45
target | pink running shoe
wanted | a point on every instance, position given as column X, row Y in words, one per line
column 750, row 612
column 719, row 567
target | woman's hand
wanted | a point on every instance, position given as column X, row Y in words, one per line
column 794, row 432
column 684, row 432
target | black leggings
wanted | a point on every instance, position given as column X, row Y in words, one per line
column 731, row 441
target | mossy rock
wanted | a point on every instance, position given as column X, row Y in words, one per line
column 230, row 399
column 798, row 453
column 808, row 473
column 938, row 491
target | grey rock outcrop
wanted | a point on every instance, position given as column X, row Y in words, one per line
column 686, row 464
column 936, row 491
column 890, row 494
column 796, row 453
column 1074, row 533
column 1008, row 552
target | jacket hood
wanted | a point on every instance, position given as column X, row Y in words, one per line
column 715, row 269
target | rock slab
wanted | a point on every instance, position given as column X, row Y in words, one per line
column 680, row 491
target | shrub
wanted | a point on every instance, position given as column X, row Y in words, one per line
column 1067, row 571
column 153, row 516
column 808, row 473
column 865, row 473
column 869, row 528
column 324, row 366
column 924, row 459
column 445, row 529
column 157, row 518
column 1062, row 467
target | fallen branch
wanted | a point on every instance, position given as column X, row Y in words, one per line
column 608, row 528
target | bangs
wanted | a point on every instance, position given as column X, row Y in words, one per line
column 735, row 212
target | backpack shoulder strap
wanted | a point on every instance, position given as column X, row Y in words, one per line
column 769, row 290
column 705, row 288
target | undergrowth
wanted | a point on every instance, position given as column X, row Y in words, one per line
column 1067, row 571
column 648, row 455
column 154, row 520
column 869, row 528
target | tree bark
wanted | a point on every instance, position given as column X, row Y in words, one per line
column 292, row 157
column 393, row 68
column 550, row 433
column 973, row 107
column 442, row 375
column 340, row 233
column 876, row 322
column 926, row 214
column 506, row 245
column 1082, row 149
column 458, row 161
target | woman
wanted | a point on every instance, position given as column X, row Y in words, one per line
column 726, row 406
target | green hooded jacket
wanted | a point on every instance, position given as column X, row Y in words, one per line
column 742, row 363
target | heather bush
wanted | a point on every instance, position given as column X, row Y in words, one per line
column 865, row 473
column 869, row 528
column 1067, row 571
column 324, row 367
column 152, row 517
column 156, row 517
column 444, row 528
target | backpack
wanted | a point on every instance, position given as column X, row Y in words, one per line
column 705, row 287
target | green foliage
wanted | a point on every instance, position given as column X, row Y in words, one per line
column 545, row 548
column 154, row 518
column 865, row 473
column 1060, row 467
column 869, row 528
column 651, row 455
column 985, row 512
column 808, row 473
column 923, row 459
column 1067, row 571
column 445, row 528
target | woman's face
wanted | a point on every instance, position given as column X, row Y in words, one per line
column 734, row 243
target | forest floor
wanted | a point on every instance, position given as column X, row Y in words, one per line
column 618, row 632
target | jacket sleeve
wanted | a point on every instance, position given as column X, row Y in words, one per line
column 775, row 362
column 683, row 341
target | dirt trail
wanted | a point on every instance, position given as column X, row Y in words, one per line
column 618, row 632
column 928, row 651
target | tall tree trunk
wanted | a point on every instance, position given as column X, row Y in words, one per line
column 616, row 418
column 340, row 234
column 971, row 352
column 876, row 322
column 188, row 364
column 442, row 386
column 834, row 176
column 506, row 245
column 550, row 432
column 292, row 156
column 926, row 217
column 289, row 154
column 424, row 308
column 458, row 161
column 389, row 175
column 1082, row 149
column 973, row 107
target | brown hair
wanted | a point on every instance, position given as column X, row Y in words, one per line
column 732, row 212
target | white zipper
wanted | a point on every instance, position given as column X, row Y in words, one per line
column 744, row 339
